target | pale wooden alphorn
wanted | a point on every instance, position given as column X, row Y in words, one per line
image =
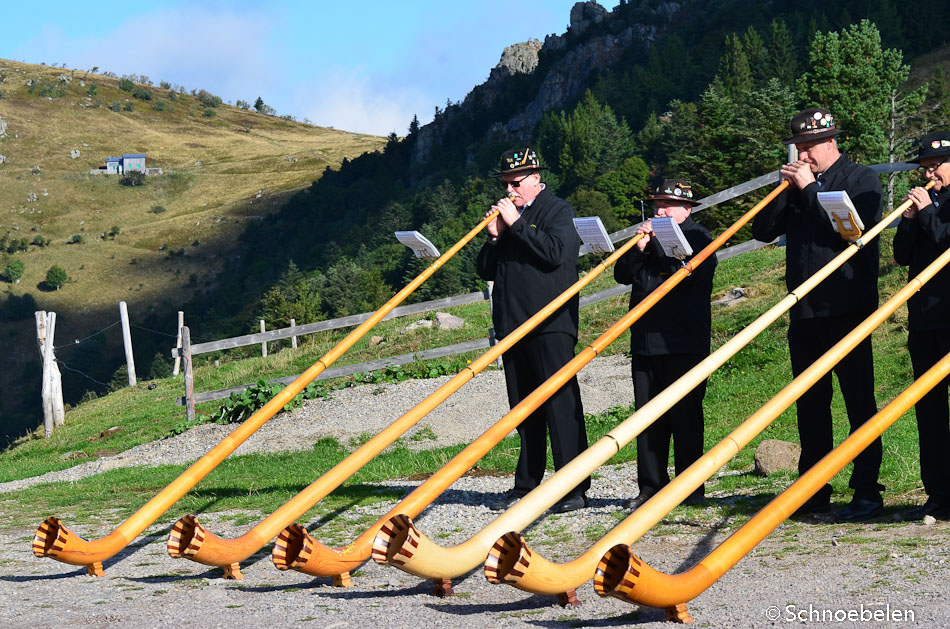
column 53, row 539
column 400, row 543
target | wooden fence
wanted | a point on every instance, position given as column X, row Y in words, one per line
column 186, row 353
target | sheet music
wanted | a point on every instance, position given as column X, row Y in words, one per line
column 592, row 232
column 419, row 244
column 668, row 233
column 838, row 203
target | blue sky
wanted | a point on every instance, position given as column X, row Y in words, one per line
column 363, row 66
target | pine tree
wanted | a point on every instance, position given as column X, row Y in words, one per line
column 853, row 77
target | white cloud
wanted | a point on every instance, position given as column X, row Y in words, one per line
column 350, row 100
column 221, row 52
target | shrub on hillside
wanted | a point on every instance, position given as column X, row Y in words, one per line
column 40, row 241
column 14, row 244
column 14, row 270
column 92, row 89
column 157, row 209
column 133, row 178
column 76, row 239
column 208, row 113
column 56, row 276
column 165, row 85
column 142, row 93
column 129, row 106
column 159, row 105
column 208, row 99
column 115, row 106
column 126, row 85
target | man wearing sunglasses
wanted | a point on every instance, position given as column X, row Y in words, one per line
column 922, row 235
column 834, row 307
column 531, row 256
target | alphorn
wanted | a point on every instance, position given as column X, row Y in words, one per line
column 53, row 539
column 511, row 561
column 296, row 549
column 191, row 540
column 625, row 576
column 400, row 543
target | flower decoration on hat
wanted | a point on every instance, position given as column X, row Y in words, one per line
column 675, row 190
column 518, row 160
column 931, row 146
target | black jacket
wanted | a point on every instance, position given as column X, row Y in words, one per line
column 812, row 242
column 533, row 261
column 917, row 243
column 679, row 323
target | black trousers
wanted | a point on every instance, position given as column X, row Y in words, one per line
column 933, row 419
column 527, row 365
column 808, row 339
column 684, row 423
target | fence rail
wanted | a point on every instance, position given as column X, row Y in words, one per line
column 436, row 304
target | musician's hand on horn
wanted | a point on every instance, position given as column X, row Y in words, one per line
column 647, row 230
column 496, row 227
column 508, row 210
column 798, row 173
column 919, row 198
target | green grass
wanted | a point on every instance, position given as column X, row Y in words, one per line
column 262, row 482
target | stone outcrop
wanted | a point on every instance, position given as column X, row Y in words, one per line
column 584, row 15
column 594, row 41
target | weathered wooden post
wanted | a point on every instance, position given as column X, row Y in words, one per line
column 56, row 379
column 45, row 387
column 51, row 390
column 189, row 373
column 127, row 341
column 293, row 339
column 181, row 322
column 264, row 344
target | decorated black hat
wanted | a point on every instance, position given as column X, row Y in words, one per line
column 674, row 190
column 812, row 124
column 519, row 161
column 932, row 145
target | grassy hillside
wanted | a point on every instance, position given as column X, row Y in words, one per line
column 223, row 168
column 735, row 391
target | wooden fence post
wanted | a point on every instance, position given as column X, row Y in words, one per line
column 293, row 339
column 56, row 379
column 45, row 388
column 264, row 344
column 181, row 322
column 189, row 373
column 127, row 341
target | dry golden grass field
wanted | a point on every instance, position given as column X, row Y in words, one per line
column 220, row 173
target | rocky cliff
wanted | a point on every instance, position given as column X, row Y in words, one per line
column 594, row 41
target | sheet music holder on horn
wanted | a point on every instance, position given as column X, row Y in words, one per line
column 592, row 232
column 842, row 214
column 419, row 244
column 668, row 233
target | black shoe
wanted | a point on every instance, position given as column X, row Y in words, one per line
column 938, row 510
column 570, row 503
column 506, row 501
column 813, row 507
column 859, row 510
column 634, row 503
column 693, row 501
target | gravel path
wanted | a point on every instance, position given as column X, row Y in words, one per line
column 366, row 409
column 814, row 567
